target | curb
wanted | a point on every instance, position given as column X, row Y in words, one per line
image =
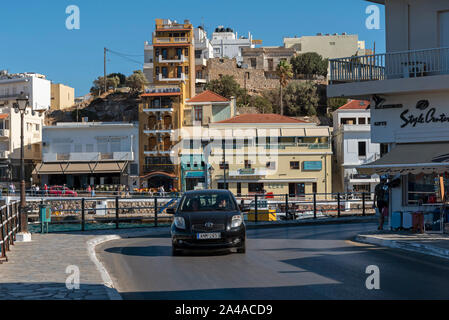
column 405, row 245
column 311, row 222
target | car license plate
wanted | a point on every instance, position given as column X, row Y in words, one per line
column 207, row 236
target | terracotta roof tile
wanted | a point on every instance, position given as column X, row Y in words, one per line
column 208, row 96
column 262, row 118
column 355, row 104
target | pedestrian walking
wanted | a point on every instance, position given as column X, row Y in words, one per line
column 92, row 193
column 381, row 200
column 46, row 189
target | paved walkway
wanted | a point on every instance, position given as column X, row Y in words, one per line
column 37, row 270
column 430, row 244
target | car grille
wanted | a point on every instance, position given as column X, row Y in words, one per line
column 203, row 228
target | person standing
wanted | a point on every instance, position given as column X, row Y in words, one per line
column 46, row 189
column 381, row 200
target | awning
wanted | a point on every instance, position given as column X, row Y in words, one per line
column 246, row 133
column 411, row 158
column 262, row 133
column 317, row 132
column 4, row 116
column 159, row 174
column 293, row 132
column 195, row 174
column 79, row 168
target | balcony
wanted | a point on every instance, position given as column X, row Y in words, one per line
column 87, row 156
column 159, row 128
column 163, row 40
column 176, row 59
column 158, row 109
column 362, row 76
column 200, row 62
column 4, row 133
column 183, row 77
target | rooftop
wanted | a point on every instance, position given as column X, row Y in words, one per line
column 207, row 96
column 262, row 118
column 356, row 105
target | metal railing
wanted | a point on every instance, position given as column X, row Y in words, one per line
column 394, row 65
column 9, row 226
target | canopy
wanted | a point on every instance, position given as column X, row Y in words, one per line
column 412, row 158
column 79, row 168
column 195, row 174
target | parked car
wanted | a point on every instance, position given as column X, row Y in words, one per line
column 62, row 191
column 207, row 219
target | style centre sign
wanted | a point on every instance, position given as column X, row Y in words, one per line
column 415, row 118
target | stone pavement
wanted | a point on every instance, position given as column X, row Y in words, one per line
column 430, row 244
column 37, row 270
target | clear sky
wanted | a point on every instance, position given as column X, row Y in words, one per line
column 34, row 37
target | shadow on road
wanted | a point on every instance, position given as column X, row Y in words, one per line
column 162, row 251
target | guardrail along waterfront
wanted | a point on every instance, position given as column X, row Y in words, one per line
column 116, row 212
column 9, row 226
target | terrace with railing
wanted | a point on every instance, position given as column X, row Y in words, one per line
column 394, row 65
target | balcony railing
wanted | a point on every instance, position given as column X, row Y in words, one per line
column 183, row 77
column 175, row 59
column 88, row 156
column 170, row 40
column 396, row 65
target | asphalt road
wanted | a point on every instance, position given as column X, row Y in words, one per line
column 309, row 262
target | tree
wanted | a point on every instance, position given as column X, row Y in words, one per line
column 226, row 86
column 137, row 81
column 284, row 72
column 121, row 76
column 309, row 64
column 98, row 84
column 335, row 103
column 261, row 103
column 301, row 99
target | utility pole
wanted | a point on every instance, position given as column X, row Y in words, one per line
column 105, row 50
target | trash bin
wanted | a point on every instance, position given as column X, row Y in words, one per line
column 418, row 222
column 44, row 216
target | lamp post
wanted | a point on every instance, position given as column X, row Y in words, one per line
column 21, row 105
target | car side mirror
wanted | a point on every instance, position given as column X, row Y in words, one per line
column 170, row 211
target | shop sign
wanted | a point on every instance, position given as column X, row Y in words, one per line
column 425, row 117
column 313, row 165
column 247, row 171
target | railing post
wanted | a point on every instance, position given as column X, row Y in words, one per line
column 155, row 211
column 8, row 238
column 338, row 204
column 255, row 208
column 83, row 214
column 314, row 205
column 11, row 224
column 363, row 204
column 3, row 235
column 286, row 205
column 116, row 212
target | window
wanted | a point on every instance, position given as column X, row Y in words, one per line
column 78, row 148
column 348, row 121
column 294, row 165
column 239, row 188
column 362, row 149
column 198, row 114
column 37, row 127
column 217, row 51
column 178, row 53
column 253, row 62
column 157, row 70
column 332, row 43
column 362, row 121
column 255, row 187
column 271, row 165
column 164, row 54
column 222, row 165
column 222, row 186
column 164, row 72
column 179, row 72
column 383, row 149
column 247, row 164
column 186, row 52
column 207, row 202
column 421, row 188
column 89, row 148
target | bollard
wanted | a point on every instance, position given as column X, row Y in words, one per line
column 83, row 216
column 155, row 211
column 363, row 204
column 338, row 204
column 314, row 205
column 116, row 212
column 255, row 209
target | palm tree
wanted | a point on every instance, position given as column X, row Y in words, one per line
column 285, row 73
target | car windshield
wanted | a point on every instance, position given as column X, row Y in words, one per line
column 207, row 202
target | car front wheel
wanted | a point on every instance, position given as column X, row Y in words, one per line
column 242, row 248
column 175, row 252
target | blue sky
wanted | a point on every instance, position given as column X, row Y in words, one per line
column 34, row 37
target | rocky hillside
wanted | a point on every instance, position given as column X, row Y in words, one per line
column 109, row 107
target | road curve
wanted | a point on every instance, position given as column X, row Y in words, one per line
column 308, row 262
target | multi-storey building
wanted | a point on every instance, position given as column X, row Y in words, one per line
column 161, row 112
column 253, row 153
column 62, row 96
column 35, row 86
column 329, row 46
column 353, row 147
column 79, row 154
column 408, row 87
column 227, row 44
column 203, row 52
column 266, row 58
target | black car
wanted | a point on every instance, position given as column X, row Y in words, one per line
column 207, row 219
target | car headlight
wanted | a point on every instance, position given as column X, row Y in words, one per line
column 236, row 221
column 180, row 223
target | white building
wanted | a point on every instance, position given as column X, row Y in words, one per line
column 36, row 86
column 353, row 147
column 227, row 44
column 90, row 153
column 203, row 51
column 329, row 46
column 409, row 91
column 148, row 65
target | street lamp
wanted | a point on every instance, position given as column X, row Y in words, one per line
column 21, row 104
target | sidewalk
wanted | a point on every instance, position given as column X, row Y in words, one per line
column 37, row 270
column 430, row 244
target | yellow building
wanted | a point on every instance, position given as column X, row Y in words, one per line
column 253, row 153
column 161, row 112
column 62, row 96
